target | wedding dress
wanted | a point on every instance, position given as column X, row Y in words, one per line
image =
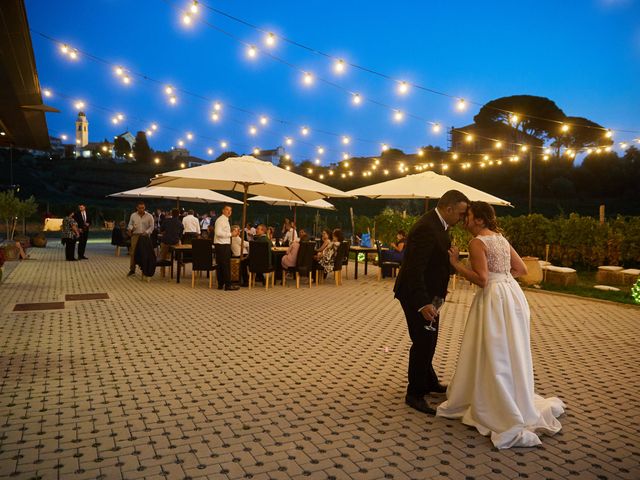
column 492, row 388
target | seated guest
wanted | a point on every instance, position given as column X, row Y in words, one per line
column 396, row 252
column 236, row 242
column 326, row 241
column 261, row 236
column 328, row 257
column 270, row 234
column 171, row 230
column 290, row 258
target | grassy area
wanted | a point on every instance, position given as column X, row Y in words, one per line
column 584, row 288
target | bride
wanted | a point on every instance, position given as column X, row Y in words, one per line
column 492, row 388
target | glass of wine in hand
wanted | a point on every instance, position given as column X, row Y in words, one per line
column 437, row 302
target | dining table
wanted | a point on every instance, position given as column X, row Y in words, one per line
column 358, row 250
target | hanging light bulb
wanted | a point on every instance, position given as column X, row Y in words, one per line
column 469, row 138
column 356, row 99
column 461, row 105
column 64, row 48
column 524, row 148
column 435, row 128
column 154, row 127
column 609, row 133
column 63, row 137
column 119, row 71
column 253, row 130
column 173, row 100
column 320, row 150
column 623, row 145
column 345, row 156
column 345, row 164
column 209, row 151
column 398, row 115
column 343, row 175
column 454, row 156
column 545, row 157
column 514, row 118
column 256, row 151
column 189, row 136
column 350, row 173
column 384, row 147
column 308, row 78
column 403, row 88
column 215, row 116
column 168, row 90
column 120, row 116
column 46, row 92
column 420, row 152
column 498, row 144
column 288, row 141
column 305, row 131
column 264, row 120
column 288, row 167
column 287, row 156
column 217, row 106
column 126, row 79
column 339, row 66
column 564, row 128
column 309, row 171
column 252, row 51
column 79, row 105
column 385, row 171
column 331, row 173
column 186, row 19
column 224, row 144
column 194, row 7
column 346, row 140
column 270, row 39
column 317, row 161
column 180, row 143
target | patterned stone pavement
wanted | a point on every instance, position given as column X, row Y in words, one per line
column 164, row 381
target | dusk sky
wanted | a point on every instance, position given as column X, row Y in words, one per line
column 584, row 55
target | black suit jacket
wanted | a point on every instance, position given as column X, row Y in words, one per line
column 425, row 268
column 81, row 224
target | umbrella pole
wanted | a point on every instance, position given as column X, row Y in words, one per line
column 244, row 219
column 426, row 205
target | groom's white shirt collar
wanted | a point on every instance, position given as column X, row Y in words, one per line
column 444, row 224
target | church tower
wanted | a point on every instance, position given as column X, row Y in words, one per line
column 82, row 130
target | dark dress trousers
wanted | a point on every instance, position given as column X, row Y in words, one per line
column 423, row 275
column 84, row 231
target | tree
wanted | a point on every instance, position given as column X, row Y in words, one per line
column 537, row 116
column 122, row 147
column 224, row 155
column 12, row 209
column 141, row 150
column 582, row 133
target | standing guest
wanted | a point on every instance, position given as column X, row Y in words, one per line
column 82, row 219
column 291, row 257
column 249, row 232
column 70, row 234
column 286, row 226
column 204, row 224
column 171, row 230
column 141, row 223
column 191, row 227
column 222, row 245
column 290, row 235
column 421, row 287
column 158, row 217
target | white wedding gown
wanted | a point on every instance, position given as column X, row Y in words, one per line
column 492, row 388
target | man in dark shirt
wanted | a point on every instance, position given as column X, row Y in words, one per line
column 171, row 230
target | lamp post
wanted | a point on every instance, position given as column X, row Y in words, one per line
column 530, row 177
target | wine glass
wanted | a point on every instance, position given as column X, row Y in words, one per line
column 437, row 302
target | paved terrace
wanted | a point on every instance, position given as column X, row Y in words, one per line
column 161, row 380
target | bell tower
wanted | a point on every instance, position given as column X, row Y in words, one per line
column 82, row 130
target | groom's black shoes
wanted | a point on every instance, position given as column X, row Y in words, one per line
column 419, row 403
column 438, row 388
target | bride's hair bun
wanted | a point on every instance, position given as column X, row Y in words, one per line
column 487, row 214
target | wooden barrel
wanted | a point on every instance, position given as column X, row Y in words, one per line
column 534, row 272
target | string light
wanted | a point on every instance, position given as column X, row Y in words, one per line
column 386, row 172
column 210, row 151
column 308, row 78
column 420, row 152
column 287, row 156
column 252, row 51
column 345, row 156
column 183, row 165
column 454, row 156
column 79, row 105
column 469, row 138
column 264, row 120
column 194, row 7
column 346, row 140
column 317, row 161
column 498, row 144
column 46, row 92
column 270, row 39
column 608, row 134
column 310, row 171
column 154, row 127
column 345, row 164
column 514, row 118
column 403, row 88
column 189, row 136
column 180, row 143
column 461, row 105
column 356, row 99
column 321, row 176
column 435, row 128
column 339, row 66
column 156, row 161
column 288, row 141
column 256, row 151
column 215, row 116
column 63, row 137
column 186, row 19
column 524, row 148
column 331, row 172
column 217, row 106
column 564, row 128
column 305, row 131
column 545, row 157
column 288, row 168
column 224, row 144
column 398, row 116
column 253, row 130
column 320, row 150
column 72, row 53
column 385, row 147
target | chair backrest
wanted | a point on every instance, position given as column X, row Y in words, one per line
column 259, row 256
column 304, row 262
column 344, row 254
column 201, row 254
column 379, row 249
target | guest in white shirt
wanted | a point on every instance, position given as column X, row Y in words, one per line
column 249, row 232
column 222, row 244
column 291, row 235
column 204, row 224
column 191, row 227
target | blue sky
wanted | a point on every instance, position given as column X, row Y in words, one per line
column 584, row 55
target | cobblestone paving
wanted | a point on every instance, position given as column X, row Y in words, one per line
column 164, row 381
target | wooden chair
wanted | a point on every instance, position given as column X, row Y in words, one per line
column 345, row 260
column 386, row 263
column 304, row 264
column 202, row 260
column 260, row 262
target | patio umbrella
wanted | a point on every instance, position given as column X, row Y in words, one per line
column 322, row 204
column 424, row 185
column 248, row 175
column 196, row 195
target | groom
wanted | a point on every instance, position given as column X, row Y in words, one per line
column 424, row 275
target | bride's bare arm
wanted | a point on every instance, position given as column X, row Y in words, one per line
column 518, row 268
column 479, row 271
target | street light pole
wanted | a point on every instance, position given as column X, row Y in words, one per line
column 530, row 177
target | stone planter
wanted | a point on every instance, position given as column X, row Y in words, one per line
column 11, row 252
column 610, row 275
column 534, row 272
column 39, row 241
column 563, row 276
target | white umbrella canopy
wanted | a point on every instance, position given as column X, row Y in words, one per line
column 278, row 202
column 424, row 185
column 250, row 175
column 196, row 195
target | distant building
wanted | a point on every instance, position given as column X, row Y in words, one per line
column 272, row 156
column 128, row 136
column 178, row 152
column 195, row 161
column 61, row 150
column 475, row 139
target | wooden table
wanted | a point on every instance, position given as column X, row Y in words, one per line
column 366, row 250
